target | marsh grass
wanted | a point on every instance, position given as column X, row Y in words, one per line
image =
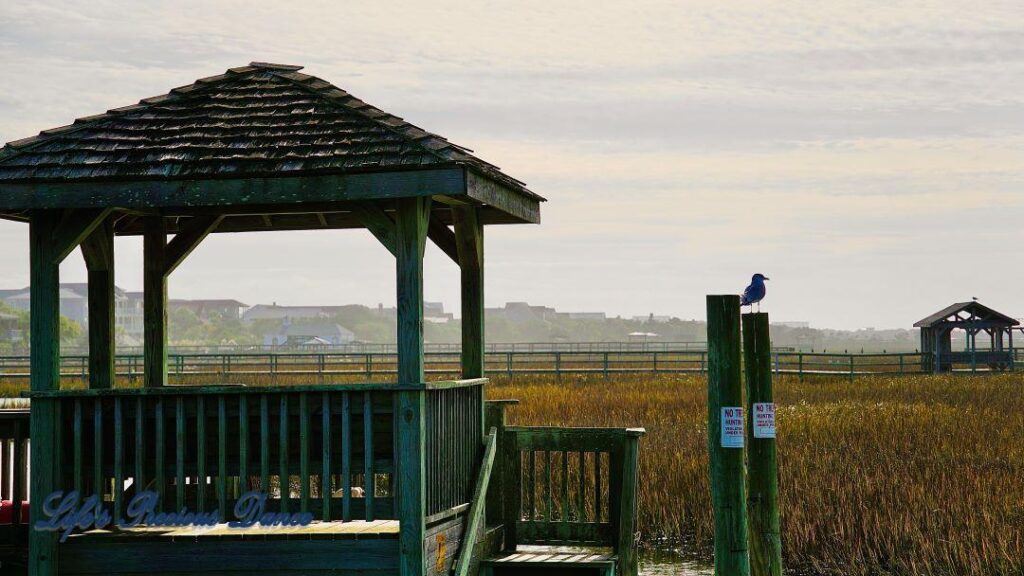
column 900, row 475
column 915, row 475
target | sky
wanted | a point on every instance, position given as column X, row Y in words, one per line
column 867, row 156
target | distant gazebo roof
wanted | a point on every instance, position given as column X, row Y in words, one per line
column 972, row 313
column 254, row 130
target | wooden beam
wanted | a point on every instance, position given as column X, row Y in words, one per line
column 98, row 251
column 154, row 301
column 469, row 236
column 45, row 359
column 187, row 240
column 378, row 223
column 412, row 218
column 492, row 193
column 74, row 227
column 443, row 237
column 225, row 192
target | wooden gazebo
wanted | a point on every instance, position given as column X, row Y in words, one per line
column 973, row 318
column 392, row 472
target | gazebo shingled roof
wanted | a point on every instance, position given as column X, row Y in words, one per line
column 975, row 309
column 265, row 124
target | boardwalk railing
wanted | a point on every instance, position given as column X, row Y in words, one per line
column 371, row 366
column 572, row 487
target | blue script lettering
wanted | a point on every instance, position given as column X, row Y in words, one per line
column 65, row 513
column 251, row 509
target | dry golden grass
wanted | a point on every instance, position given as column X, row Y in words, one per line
column 905, row 475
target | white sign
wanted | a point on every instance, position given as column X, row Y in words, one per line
column 764, row 420
column 732, row 427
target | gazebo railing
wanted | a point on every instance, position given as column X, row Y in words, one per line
column 330, row 450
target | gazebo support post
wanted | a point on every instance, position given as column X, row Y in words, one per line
column 98, row 252
column 412, row 218
column 154, row 302
column 53, row 234
column 160, row 258
column 469, row 235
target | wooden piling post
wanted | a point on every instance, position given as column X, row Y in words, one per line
column 727, row 469
column 762, row 480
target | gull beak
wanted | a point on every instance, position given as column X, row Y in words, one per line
column 767, row 278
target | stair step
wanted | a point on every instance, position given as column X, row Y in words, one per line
column 542, row 563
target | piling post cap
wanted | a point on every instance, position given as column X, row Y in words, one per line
column 636, row 432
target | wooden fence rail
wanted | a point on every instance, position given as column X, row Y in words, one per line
column 374, row 366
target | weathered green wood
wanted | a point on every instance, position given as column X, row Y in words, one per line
column 512, row 470
column 98, row 484
column 625, row 545
column 187, row 240
column 325, row 457
column 369, row 478
column 154, row 302
column 581, row 492
column 443, row 237
column 469, row 235
column 495, row 417
column 598, row 500
column 346, row 457
column 44, row 265
column 284, row 482
column 214, row 192
column 77, row 446
column 243, row 443
column 200, row 453
column 565, row 489
column 118, row 458
column 222, row 456
column 140, row 444
column 159, row 474
column 494, row 194
column 762, row 477
column 727, row 466
column 549, row 496
column 74, row 227
column 303, row 452
column 265, row 443
column 378, row 223
column 475, row 518
column 98, row 251
column 412, row 218
column 216, row 390
column 179, row 442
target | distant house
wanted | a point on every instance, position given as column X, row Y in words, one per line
column 275, row 312
column 74, row 305
column 309, row 333
column 207, row 309
column 9, row 331
column 585, row 315
column 652, row 318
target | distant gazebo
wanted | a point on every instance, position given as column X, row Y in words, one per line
column 973, row 318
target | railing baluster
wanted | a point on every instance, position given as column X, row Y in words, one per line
column 76, row 441
column 200, row 453
column 118, row 458
column 264, row 444
column 243, row 443
column 533, row 485
column 549, row 496
column 179, row 465
column 346, row 458
column 581, row 512
column 222, row 455
column 282, row 456
column 303, row 452
column 139, row 482
column 325, row 475
column 97, row 455
column 369, row 483
column 565, row 488
column 597, row 487
column 161, row 480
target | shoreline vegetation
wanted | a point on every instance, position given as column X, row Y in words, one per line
column 912, row 475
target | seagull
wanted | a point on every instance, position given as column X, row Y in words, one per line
column 755, row 292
